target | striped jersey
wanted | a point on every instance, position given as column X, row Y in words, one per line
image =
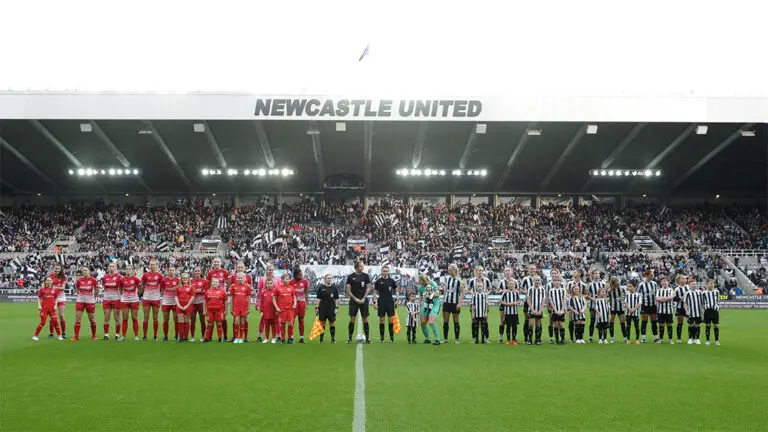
column 693, row 303
column 526, row 282
column 556, row 298
column 578, row 304
column 479, row 305
column 413, row 313
column 593, row 288
column 602, row 310
column 509, row 297
column 616, row 299
column 709, row 299
column 504, row 284
column 480, row 285
column 573, row 283
column 680, row 292
column 452, row 289
column 633, row 300
column 666, row 308
column 647, row 289
column 536, row 296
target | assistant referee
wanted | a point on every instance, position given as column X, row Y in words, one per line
column 384, row 288
column 358, row 288
column 327, row 306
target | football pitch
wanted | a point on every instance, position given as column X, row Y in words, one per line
column 119, row 386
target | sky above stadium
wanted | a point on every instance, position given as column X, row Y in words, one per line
column 421, row 48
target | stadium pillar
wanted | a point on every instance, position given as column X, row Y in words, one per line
column 576, row 201
column 536, row 201
column 279, row 200
column 236, row 200
column 495, row 200
column 451, row 200
column 621, row 202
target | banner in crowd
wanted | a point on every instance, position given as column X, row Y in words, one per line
column 357, row 241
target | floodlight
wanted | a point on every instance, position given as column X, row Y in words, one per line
column 701, row 130
column 483, row 173
column 591, row 129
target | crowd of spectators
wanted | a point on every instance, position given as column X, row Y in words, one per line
column 29, row 228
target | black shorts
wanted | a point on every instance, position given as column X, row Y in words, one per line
column 664, row 318
column 511, row 319
column 680, row 312
column 711, row 316
column 525, row 308
column 602, row 325
column 535, row 316
column 694, row 320
column 354, row 307
column 557, row 317
column 450, row 307
column 648, row 310
column 617, row 312
column 326, row 313
column 386, row 308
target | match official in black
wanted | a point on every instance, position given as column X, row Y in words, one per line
column 358, row 288
column 383, row 290
column 327, row 306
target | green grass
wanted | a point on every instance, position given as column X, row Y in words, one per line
column 109, row 386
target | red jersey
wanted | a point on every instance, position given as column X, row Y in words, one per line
column 184, row 293
column 241, row 296
column 151, row 283
column 285, row 296
column 168, row 287
column 215, row 299
column 48, row 297
column 221, row 274
column 248, row 280
column 267, row 308
column 129, row 286
column 58, row 282
column 110, row 283
column 300, row 289
column 201, row 286
column 86, row 289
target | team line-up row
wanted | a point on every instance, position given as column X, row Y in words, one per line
column 282, row 301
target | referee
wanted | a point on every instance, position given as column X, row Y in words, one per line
column 358, row 288
column 383, row 290
column 327, row 306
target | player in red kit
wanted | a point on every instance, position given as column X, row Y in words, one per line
column 150, row 292
column 46, row 305
column 223, row 276
column 215, row 309
column 301, row 290
column 240, row 268
column 241, row 302
column 87, row 289
column 266, row 296
column 129, row 301
column 200, row 285
column 168, row 287
column 111, row 299
column 275, row 283
column 185, row 296
column 285, row 303
column 59, row 281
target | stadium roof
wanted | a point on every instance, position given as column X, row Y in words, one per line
column 37, row 155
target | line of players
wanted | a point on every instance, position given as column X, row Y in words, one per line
column 185, row 298
column 635, row 304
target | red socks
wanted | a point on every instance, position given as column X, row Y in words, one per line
column 136, row 327
column 165, row 329
column 77, row 330
column 236, row 331
column 208, row 331
column 106, row 328
column 301, row 327
column 155, row 325
column 175, row 327
column 290, row 331
column 145, row 326
column 93, row 329
column 244, row 329
column 125, row 327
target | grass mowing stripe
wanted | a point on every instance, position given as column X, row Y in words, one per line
column 358, row 422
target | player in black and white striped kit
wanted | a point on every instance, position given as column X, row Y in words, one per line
column 680, row 291
column 556, row 294
column 578, row 275
column 603, row 315
column 504, row 285
column 480, row 286
column 535, row 298
column 557, row 281
column 413, row 317
column 693, row 310
column 665, row 301
column 594, row 286
column 616, row 298
column 577, row 305
column 711, row 310
column 525, row 284
column 647, row 288
column 454, row 295
column 510, row 300
column 634, row 302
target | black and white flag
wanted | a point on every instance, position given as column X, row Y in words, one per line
column 16, row 264
column 399, row 244
column 61, row 259
column 162, row 247
column 335, row 232
column 235, row 255
column 256, row 241
column 385, row 262
column 410, row 212
column 269, row 237
column 222, row 224
column 458, row 251
column 384, row 249
column 379, row 220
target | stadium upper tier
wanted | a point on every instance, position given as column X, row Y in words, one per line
column 322, row 229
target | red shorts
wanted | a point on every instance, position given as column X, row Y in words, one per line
column 61, row 303
column 153, row 303
column 215, row 315
column 187, row 312
column 301, row 309
column 48, row 312
column 88, row 307
column 285, row 316
column 240, row 312
column 130, row 305
column 111, row 304
column 168, row 308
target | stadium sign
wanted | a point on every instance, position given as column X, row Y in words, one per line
column 341, row 109
column 357, row 241
column 500, row 240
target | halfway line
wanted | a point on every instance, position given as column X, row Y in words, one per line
column 358, row 420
